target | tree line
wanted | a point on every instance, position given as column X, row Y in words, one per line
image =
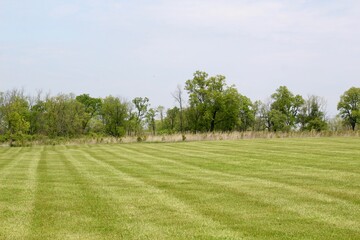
column 205, row 104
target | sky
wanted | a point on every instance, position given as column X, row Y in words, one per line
column 144, row 48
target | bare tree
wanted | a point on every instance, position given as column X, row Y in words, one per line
column 178, row 96
column 160, row 110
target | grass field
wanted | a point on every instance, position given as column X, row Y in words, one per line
column 306, row 188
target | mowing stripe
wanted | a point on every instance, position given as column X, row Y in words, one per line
column 19, row 184
column 113, row 201
column 215, row 229
column 351, row 212
column 247, row 189
column 258, row 155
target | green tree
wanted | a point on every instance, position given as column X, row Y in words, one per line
column 349, row 106
column 160, row 124
column 262, row 115
column 312, row 114
column 284, row 109
column 212, row 103
column 63, row 116
column 247, row 113
column 141, row 105
column 37, row 120
column 37, row 111
column 171, row 119
column 150, row 119
column 198, row 99
column 15, row 114
column 92, row 107
column 114, row 114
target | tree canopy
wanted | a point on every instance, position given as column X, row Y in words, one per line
column 210, row 105
column 349, row 106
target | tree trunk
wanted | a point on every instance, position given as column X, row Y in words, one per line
column 212, row 124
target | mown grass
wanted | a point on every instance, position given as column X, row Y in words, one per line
column 299, row 188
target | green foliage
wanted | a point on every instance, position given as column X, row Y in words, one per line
column 212, row 106
column 15, row 115
column 312, row 116
column 37, row 119
column 215, row 106
column 63, row 116
column 92, row 107
column 172, row 119
column 262, row 116
column 114, row 114
column 150, row 119
column 246, row 113
column 349, row 107
column 141, row 105
column 284, row 109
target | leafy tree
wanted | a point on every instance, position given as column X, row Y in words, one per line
column 212, row 103
column 92, row 107
column 37, row 111
column 312, row 114
column 349, row 106
column 284, row 109
column 160, row 110
column 229, row 113
column 114, row 114
column 262, row 115
column 247, row 115
column 150, row 119
column 141, row 105
column 278, row 121
column 171, row 119
column 37, row 120
column 14, row 112
column 198, row 99
column 63, row 116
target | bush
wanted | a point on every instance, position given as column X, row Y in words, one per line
column 20, row 140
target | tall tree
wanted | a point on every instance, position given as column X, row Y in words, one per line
column 114, row 114
column 150, row 119
column 312, row 114
column 284, row 109
column 197, row 89
column 141, row 105
column 15, row 114
column 160, row 110
column 178, row 96
column 246, row 113
column 37, row 111
column 349, row 106
column 210, row 100
column 171, row 119
column 262, row 115
column 63, row 116
column 92, row 107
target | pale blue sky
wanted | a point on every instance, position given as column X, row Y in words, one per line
column 146, row 48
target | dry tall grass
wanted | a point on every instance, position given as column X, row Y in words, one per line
column 217, row 136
